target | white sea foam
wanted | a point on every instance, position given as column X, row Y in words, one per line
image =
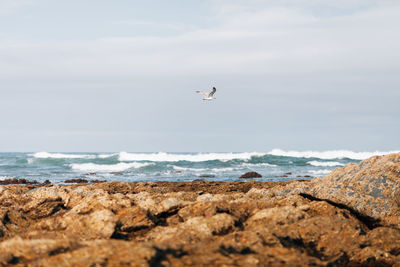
column 319, row 172
column 161, row 156
column 5, row 177
column 332, row 154
column 108, row 167
column 325, row 163
column 258, row 165
column 46, row 155
column 103, row 156
column 177, row 168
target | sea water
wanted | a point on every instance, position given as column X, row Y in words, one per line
column 275, row 165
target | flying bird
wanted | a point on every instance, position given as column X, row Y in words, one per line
column 208, row 96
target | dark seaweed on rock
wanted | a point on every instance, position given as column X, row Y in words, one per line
column 17, row 181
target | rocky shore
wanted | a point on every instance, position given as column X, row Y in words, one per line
column 350, row 217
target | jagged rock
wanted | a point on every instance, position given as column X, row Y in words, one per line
column 348, row 218
column 249, row 175
column 196, row 228
column 133, row 218
column 278, row 215
column 370, row 188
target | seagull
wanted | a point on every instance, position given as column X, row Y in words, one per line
column 208, row 96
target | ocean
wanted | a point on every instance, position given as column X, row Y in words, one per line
column 275, row 165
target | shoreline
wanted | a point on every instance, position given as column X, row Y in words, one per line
column 349, row 217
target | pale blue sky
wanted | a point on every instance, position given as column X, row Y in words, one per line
column 121, row 75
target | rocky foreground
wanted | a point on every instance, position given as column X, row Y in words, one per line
column 349, row 218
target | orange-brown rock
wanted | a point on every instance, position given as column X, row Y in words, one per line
column 370, row 189
column 348, row 218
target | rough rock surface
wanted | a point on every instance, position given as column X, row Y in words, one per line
column 370, row 189
column 348, row 218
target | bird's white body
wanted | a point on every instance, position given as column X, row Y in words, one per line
column 208, row 96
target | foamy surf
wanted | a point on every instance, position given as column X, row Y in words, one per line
column 169, row 157
column 47, row 155
column 2, row 178
column 331, row 154
column 214, row 170
column 322, row 172
column 108, row 167
column 325, row 163
column 250, row 165
column 161, row 166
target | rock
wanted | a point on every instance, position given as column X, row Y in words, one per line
column 133, row 219
column 370, row 188
column 196, row 228
column 207, row 176
column 17, row 181
column 277, row 215
column 249, row 175
column 78, row 181
column 97, row 181
column 348, row 218
column 97, row 225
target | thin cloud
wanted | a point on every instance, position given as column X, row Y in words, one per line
column 274, row 40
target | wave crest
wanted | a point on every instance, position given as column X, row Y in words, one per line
column 330, row 154
column 325, row 164
column 46, row 155
column 168, row 157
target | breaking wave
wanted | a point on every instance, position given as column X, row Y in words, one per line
column 258, row 165
column 5, row 177
column 325, row 163
column 332, row 154
column 47, row 155
column 169, row 157
column 177, row 168
column 319, row 172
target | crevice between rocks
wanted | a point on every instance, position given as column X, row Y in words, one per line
column 162, row 255
column 298, row 243
column 161, row 218
column 368, row 221
column 226, row 251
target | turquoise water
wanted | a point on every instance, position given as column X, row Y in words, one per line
column 123, row 166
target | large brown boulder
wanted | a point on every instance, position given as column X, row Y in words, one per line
column 371, row 189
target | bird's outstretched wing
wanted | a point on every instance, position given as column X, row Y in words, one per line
column 212, row 92
column 203, row 93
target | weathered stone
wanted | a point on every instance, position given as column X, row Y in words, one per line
column 348, row 218
column 132, row 219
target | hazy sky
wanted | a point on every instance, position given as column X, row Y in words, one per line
column 96, row 75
